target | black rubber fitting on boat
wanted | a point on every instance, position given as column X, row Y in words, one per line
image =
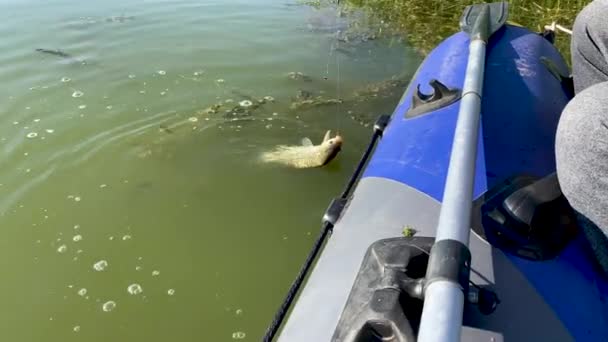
column 450, row 260
column 381, row 123
column 334, row 211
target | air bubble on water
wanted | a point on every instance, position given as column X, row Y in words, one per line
column 138, row 268
column 275, row 114
column 134, row 289
column 15, row 122
column 269, row 119
column 108, row 306
column 142, row 91
column 102, row 186
column 100, row 265
column 163, row 93
column 79, row 251
column 77, row 238
column 268, row 126
column 82, row 292
column 161, row 72
column 82, row 106
column 109, row 107
column 70, row 286
column 77, row 198
column 36, row 120
column 62, row 249
column 155, row 273
column 198, row 73
column 77, row 328
column 193, row 119
column 131, row 76
column 140, row 258
column 238, row 335
column 220, row 80
column 239, row 312
column 282, row 127
column 28, row 108
column 32, row 135
column 171, row 292
column 207, row 119
column 65, row 79
column 50, row 130
column 77, row 93
column 126, row 237
column 76, row 226
column 111, row 238
column 28, row 170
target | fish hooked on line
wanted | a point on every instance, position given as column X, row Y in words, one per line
column 306, row 155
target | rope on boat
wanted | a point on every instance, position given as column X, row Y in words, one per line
column 326, row 229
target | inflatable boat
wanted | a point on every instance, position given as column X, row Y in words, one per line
column 454, row 227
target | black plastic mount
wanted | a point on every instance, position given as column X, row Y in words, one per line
column 450, row 260
column 385, row 302
column 526, row 216
column 381, row 123
column 334, row 211
column 439, row 98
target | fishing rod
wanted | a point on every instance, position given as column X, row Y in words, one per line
column 447, row 273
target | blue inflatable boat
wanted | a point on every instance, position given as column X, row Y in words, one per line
column 389, row 271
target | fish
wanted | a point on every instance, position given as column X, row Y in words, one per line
column 55, row 52
column 306, row 155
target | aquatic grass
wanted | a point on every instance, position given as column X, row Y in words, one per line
column 425, row 23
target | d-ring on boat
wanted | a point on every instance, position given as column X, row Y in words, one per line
column 470, row 147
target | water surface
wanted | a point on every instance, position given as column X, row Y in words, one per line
column 127, row 214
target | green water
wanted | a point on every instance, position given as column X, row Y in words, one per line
column 212, row 236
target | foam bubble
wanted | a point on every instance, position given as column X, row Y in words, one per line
column 77, row 93
column 102, row 186
column 76, row 328
column 239, row 312
column 135, row 289
column 100, row 265
column 82, row 292
column 77, row 198
column 109, row 107
column 77, row 238
column 108, row 306
column 161, row 72
column 126, row 237
column 62, row 249
column 193, row 119
column 155, row 273
column 238, row 335
column 171, row 292
column 32, row 135
column 131, row 76
column 82, row 106
column 65, row 79
column 220, row 80
column 50, row 130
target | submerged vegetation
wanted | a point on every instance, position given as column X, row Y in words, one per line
column 424, row 23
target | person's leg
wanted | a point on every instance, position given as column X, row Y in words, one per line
column 581, row 149
column 589, row 45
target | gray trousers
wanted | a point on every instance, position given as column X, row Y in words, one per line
column 581, row 145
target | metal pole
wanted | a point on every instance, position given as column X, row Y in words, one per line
column 444, row 299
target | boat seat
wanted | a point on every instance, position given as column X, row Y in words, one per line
column 528, row 217
column 525, row 203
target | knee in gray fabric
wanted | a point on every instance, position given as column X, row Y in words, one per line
column 582, row 153
column 589, row 45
